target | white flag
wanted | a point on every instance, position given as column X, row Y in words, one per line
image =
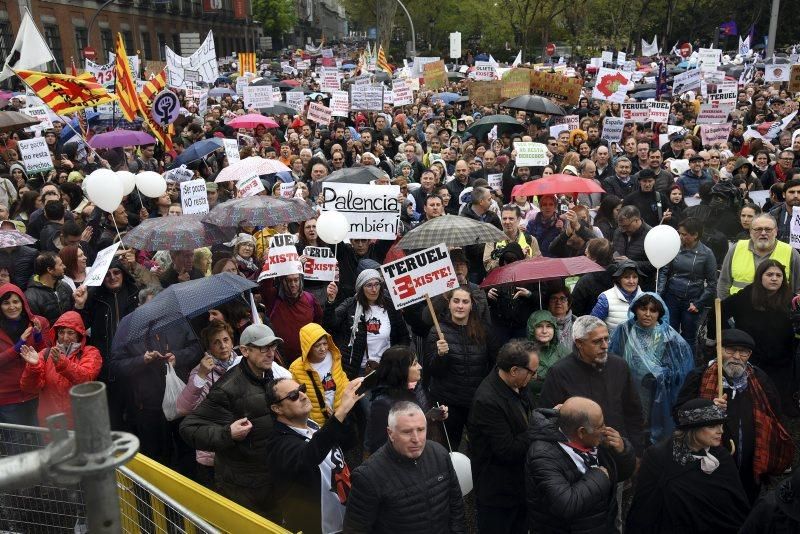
column 29, row 50
column 651, row 49
column 492, row 135
column 492, row 61
column 517, row 60
column 744, row 46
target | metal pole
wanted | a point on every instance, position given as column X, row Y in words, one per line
column 413, row 35
column 94, row 18
column 773, row 29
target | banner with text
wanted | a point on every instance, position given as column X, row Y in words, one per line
column 320, row 264
column 282, row 258
column 373, row 211
column 426, row 273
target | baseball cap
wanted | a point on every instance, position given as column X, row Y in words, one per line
column 259, row 335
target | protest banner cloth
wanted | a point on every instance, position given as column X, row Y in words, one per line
column 203, row 60
column 105, row 74
column 495, row 181
column 516, row 82
column 714, row 134
column 401, row 93
column 686, row 81
column 296, row 100
column 231, row 150
column 485, row 70
column 531, row 154
column 340, row 104
column 35, row 155
column 249, row 186
column 194, row 198
column 427, row 273
column 486, row 93
column 319, row 113
column 611, row 85
column 258, row 96
column 711, row 114
column 555, row 86
column 287, row 190
column 320, row 264
column 612, row 129
column 282, row 258
column 366, row 97
column 435, row 75
column 373, row 211
column 97, row 272
column 39, row 113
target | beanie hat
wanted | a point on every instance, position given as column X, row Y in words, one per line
column 365, row 276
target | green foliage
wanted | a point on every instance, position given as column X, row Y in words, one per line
column 276, row 16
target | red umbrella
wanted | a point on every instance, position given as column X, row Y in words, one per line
column 294, row 83
column 251, row 121
column 556, row 184
column 539, row 269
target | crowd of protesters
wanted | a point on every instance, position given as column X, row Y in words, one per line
column 586, row 405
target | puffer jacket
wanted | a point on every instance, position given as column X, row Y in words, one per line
column 52, row 381
column 692, row 276
column 561, row 499
column 304, row 373
column 690, row 184
column 49, row 302
column 391, row 493
column 456, row 375
column 612, row 306
column 588, row 288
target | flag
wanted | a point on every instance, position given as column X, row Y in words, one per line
column 650, row 49
column 661, row 80
column 247, row 62
column 382, row 63
column 154, row 86
column 729, row 28
column 517, row 60
column 124, row 85
column 29, row 51
column 744, row 46
column 66, row 94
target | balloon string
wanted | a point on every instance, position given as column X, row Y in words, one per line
column 118, row 234
column 444, row 427
column 140, row 199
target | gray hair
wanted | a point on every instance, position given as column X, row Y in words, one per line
column 585, row 324
column 478, row 194
column 402, row 408
column 622, row 159
column 629, row 212
column 570, row 422
column 766, row 216
column 148, row 291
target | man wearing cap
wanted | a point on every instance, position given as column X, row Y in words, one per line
column 212, row 194
column 758, row 441
column 628, row 243
column 664, row 178
column 673, row 149
column 234, row 422
column 649, row 201
column 695, row 176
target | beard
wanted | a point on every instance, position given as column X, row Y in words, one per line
column 733, row 369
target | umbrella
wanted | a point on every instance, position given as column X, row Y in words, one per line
column 118, row 138
column 355, row 175
column 504, row 123
column 447, row 98
column 13, row 238
column 251, row 120
column 644, row 95
column 218, row 92
column 248, row 166
column 224, row 79
column 641, row 87
column 278, row 109
column 557, row 184
column 348, row 66
column 534, row 104
column 14, row 120
column 179, row 302
column 453, row 231
column 196, row 151
column 266, row 211
column 264, row 81
column 456, row 75
column 539, row 269
column 184, row 232
column 462, row 100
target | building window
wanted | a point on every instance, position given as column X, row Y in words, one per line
column 53, row 39
column 6, row 38
column 81, row 41
column 107, row 42
column 127, row 38
column 162, row 42
column 147, row 50
column 176, row 43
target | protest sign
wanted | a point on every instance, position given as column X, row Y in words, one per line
column 558, row 128
column 319, row 113
column 485, row 70
column 39, row 113
column 516, row 82
column 777, row 73
column 35, row 155
column 435, row 75
column 531, row 154
column 607, row 57
column 418, row 67
column 686, row 81
column 97, row 272
column 105, row 74
column 714, row 134
column 258, row 96
column 366, row 97
column 249, row 186
column 282, row 258
column 202, row 103
column 320, row 264
column 427, row 273
column 794, row 79
column 180, row 174
column 296, row 100
column 373, row 211
column 231, row 150
column 401, row 93
column 708, row 59
column 794, row 228
column 495, row 181
column 611, row 85
column 659, row 112
column 711, row 114
column 722, row 99
column 329, row 80
column 485, row 93
column 241, row 83
column 635, row 111
column 612, row 129
column 194, row 198
column 554, row 86
column 340, row 104
column 287, row 190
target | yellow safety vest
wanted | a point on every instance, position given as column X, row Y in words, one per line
column 521, row 241
column 743, row 266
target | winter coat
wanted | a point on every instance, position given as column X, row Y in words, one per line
column 52, row 381
column 391, row 494
column 632, row 247
column 588, row 288
column 288, row 316
column 381, row 400
column 49, row 302
column 11, row 363
column 614, row 186
column 651, row 205
column 549, row 353
column 544, row 232
column 303, row 373
column 612, row 306
column 690, row 183
column 22, row 258
column 561, row 499
column 691, row 276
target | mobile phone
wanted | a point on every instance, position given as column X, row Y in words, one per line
column 436, row 413
column 370, row 381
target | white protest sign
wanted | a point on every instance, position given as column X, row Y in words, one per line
column 727, row 98
column 241, row 83
column 194, row 198
column 320, row 264
column 427, row 273
column 612, row 129
column 249, row 186
column 621, row 57
column 713, row 114
column 258, row 96
column 282, row 258
column 401, row 93
column 329, row 80
column 231, row 150
column 366, row 98
column 495, row 181
column 572, row 121
column 777, row 73
column 419, row 64
column 659, row 112
column 611, row 85
column 686, row 81
column 558, row 128
column 35, row 155
column 794, row 228
column 181, row 174
column 319, row 113
column 709, row 58
column 287, row 190
column 97, row 272
column 105, row 74
column 635, row 111
column 39, row 113
column 340, row 103
column 202, row 103
column 531, row 154
column 607, row 56
column 484, row 70
column 714, row 134
column 373, row 211
column 296, row 100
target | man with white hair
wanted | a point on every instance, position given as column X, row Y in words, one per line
column 408, row 485
column 592, row 372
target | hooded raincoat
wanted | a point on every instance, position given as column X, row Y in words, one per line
column 549, row 353
column 659, row 360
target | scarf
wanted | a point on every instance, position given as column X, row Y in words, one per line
column 69, row 348
column 588, row 455
column 774, row 449
column 780, row 174
column 247, row 262
column 683, row 455
column 737, row 385
column 224, row 365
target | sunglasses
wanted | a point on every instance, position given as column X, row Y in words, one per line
column 292, row 395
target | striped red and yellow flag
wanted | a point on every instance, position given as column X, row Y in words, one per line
column 66, row 94
column 382, row 63
column 125, row 86
column 151, row 89
column 247, row 62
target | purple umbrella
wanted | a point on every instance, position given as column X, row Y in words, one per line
column 13, row 238
column 119, row 138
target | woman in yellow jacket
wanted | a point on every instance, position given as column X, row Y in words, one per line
column 319, row 368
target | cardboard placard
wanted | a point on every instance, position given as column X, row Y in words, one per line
column 340, row 104
column 429, row 273
column 373, row 211
column 319, row 113
column 249, row 186
column 296, row 100
column 486, row 93
column 194, row 197
column 39, row 113
column 611, row 85
column 516, row 82
column 555, row 86
column 484, row 70
column 258, row 97
column 714, row 134
column 320, row 264
column 282, row 258
column 401, row 93
column 97, row 272
column 287, row 190
column 531, row 154
column 35, row 155
column 612, row 129
column 794, row 79
column 711, row 114
column 435, row 75
column 495, row 181
column 366, row 97
column 231, row 150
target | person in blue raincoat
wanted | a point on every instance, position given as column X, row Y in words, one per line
column 658, row 357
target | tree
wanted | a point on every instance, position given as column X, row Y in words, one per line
column 276, row 16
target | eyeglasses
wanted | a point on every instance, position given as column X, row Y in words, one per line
column 558, row 299
column 737, row 352
column 762, row 230
column 292, row 395
column 264, row 350
column 531, row 372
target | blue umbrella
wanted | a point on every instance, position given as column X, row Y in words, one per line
column 285, row 176
column 67, row 132
column 220, row 91
column 348, row 66
column 447, row 98
column 198, row 150
column 482, row 57
column 224, row 79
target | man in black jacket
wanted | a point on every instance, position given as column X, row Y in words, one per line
column 647, row 200
column 573, row 465
column 306, row 459
column 628, row 243
column 408, row 485
column 499, row 440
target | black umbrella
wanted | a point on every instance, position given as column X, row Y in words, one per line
column 641, row 87
column 264, row 81
column 504, row 123
column 534, row 104
column 355, row 175
column 278, row 109
column 456, row 75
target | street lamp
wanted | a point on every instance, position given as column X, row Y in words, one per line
column 413, row 51
column 94, row 18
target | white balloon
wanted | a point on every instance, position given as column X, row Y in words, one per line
column 104, row 189
column 463, row 469
column 661, row 244
column 128, row 181
column 151, row 184
column 332, row 227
